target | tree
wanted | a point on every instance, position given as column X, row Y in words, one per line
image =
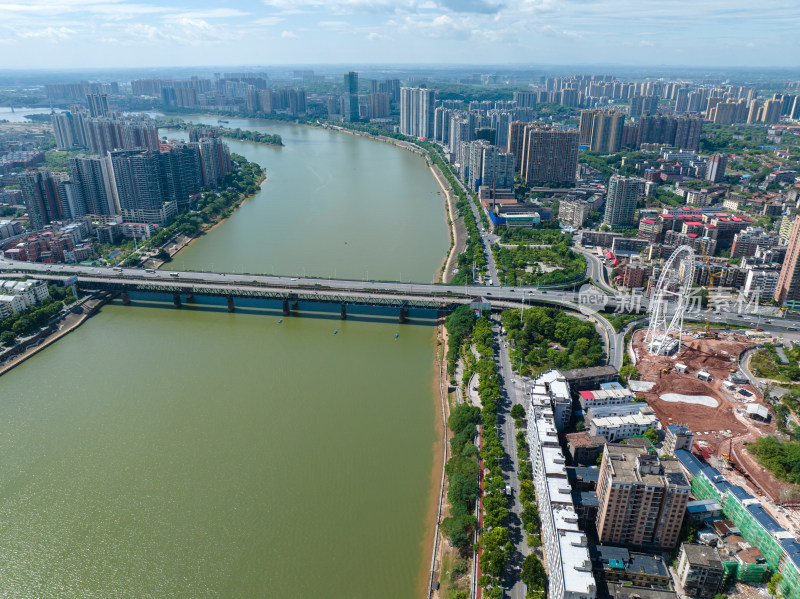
column 533, row 574
column 163, row 255
column 517, row 411
column 651, row 435
column 7, row 338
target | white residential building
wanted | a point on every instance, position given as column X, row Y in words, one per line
column 615, row 428
column 31, row 291
column 565, row 546
column 11, row 304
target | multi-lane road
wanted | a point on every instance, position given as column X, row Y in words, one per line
column 501, row 295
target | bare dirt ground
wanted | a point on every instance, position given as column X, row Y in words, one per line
column 718, row 430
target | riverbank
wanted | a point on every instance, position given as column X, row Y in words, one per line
column 68, row 323
column 432, row 566
column 458, row 231
column 184, row 241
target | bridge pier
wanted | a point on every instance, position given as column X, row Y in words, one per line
column 190, row 298
column 176, row 299
column 286, row 311
column 231, row 307
column 403, row 315
column 126, row 298
column 344, row 312
column 294, row 304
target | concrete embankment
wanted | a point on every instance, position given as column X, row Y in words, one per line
column 66, row 324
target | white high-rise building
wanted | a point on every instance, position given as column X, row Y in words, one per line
column 417, row 112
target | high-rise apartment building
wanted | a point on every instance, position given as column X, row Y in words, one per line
column 181, row 172
column 93, row 178
column 601, row 130
column 137, row 180
column 41, row 197
column 525, row 99
column 98, row 104
column 788, row 291
column 215, row 160
column 516, row 141
column 378, row 105
column 68, row 130
column 682, row 132
column 643, row 105
column 681, row 100
column 642, row 498
column 771, row 113
column 417, row 112
column 621, row 199
column 497, row 168
column 351, row 97
column 549, row 155
column 715, row 169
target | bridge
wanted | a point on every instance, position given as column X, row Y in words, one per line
column 185, row 285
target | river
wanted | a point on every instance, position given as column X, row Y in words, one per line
column 333, row 205
column 196, row 453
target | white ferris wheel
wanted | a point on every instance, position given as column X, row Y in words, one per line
column 669, row 302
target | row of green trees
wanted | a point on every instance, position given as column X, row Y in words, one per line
column 473, row 254
column 30, row 320
column 272, row 139
column 495, row 544
column 551, row 338
column 211, row 207
column 533, row 572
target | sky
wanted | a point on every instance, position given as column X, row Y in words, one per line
column 45, row 34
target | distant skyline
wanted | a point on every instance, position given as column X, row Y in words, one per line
column 63, row 34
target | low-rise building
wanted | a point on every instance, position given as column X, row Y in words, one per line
column 699, row 570
column 617, row 564
column 583, row 448
column 590, row 378
column 677, row 436
column 604, row 397
column 616, row 428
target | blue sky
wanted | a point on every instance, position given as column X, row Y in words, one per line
column 132, row 33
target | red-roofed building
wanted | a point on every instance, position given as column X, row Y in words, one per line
column 650, row 229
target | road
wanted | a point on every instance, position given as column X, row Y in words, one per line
column 513, row 393
column 486, row 237
column 595, row 269
column 502, row 296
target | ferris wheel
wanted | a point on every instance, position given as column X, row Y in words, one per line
column 669, row 302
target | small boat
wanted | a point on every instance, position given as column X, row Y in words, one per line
column 335, row 331
column 222, row 121
column 280, row 321
column 396, row 335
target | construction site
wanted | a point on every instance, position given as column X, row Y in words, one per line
column 694, row 387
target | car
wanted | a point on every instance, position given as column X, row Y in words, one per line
column 293, row 279
column 488, row 293
column 544, row 292
column 792, row 328
column 768, row 321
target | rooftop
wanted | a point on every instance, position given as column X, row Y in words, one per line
column 701, row 555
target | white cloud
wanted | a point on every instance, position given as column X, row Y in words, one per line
column 645, row 43
column 288, row 35
column 268, row 21
column 213, row 13
column 375, row 37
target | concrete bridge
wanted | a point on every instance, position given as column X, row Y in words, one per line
column 185, row 285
